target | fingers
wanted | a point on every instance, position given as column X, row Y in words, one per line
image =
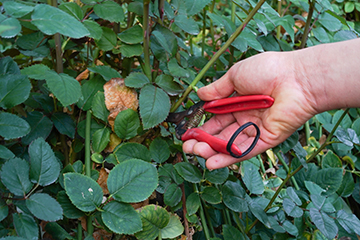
column 219, row 89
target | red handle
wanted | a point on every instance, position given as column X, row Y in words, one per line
column 240, row 103
column 215, row 143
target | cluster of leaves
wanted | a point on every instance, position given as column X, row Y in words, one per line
column 86, row 87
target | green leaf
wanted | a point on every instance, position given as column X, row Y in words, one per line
column 232, row 233
column 136, row 80
column 234, row 197
column 8, row 66
column 251, row 177
column 35, row 71
column 349, row 7
column 94, row 29
column 15, row 176
column 292, row 194
column 12, row 27
column 105, row 71
column 348, row 221
column 110, row 11
column 187, row 24
column 176, row 70
column 291, row 209
column 211, row 195
column 4, row 210
column 347, row 137
column 330, row 22
column 17, row 9
column 167, row 83
column 347, row 185
column 321, row 35
column 100, row 139
column 173, row 229
column 121, row 218
column 163, row 41
column 15, row 89
column 51, row 20
column 56, row 231
column 189, row 172
column 192, row 203
column 329, row 179
column 344, row 35
column 131, row 150
column 5, row 153
column 11, row 126
column 168, row 170
column 154, row 106
column 108, row 39
column 83, row 191
column 44, row 207
column 132, row 35
column 194, row 7
column 269, row 43
column 65, row 88
column 172, row 195
column 330, row 160
column 89, row 89
column 313, row 188
column 154, row 218
column 69, row 210
column 25, row 226
column 44, row 167
column 159, row 150
column 128, row 50
column 98, row 106
column 132, row 181
column 257, row 206
column 64, row 124
column 126, row 124
column 72, row 9
column 93, row 127
column 40, row 125
column 324, row 223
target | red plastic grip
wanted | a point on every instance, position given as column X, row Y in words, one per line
column 239, row 103
column 215, row 143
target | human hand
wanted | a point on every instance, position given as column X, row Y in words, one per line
column 272, row 74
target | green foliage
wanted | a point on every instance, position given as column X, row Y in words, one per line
column 71, row 148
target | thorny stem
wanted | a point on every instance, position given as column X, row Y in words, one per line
column 233, row 13
column 203, row 33
column 307, row 24
column 290, row 175
column 146, row 29
column 87, row 144
column 278, row 30
column 286, row 167
column 217, row 55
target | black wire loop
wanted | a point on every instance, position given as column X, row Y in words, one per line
column 236, row 133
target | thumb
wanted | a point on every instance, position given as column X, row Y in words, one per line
column 221, row 88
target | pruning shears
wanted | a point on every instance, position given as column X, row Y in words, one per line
column 188, row 120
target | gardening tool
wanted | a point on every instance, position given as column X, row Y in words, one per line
column 188, row 120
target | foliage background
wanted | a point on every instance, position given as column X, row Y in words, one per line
column 85, row 152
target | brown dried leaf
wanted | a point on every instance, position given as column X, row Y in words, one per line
column 118, row 97
column 140, row 204
column 102, row 180
column 102, row 234
column 83, row 75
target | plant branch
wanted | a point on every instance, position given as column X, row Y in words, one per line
column 146, row 66
column 307, row 24
column 290, row 175
column 217, row 55
column 87, row 144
